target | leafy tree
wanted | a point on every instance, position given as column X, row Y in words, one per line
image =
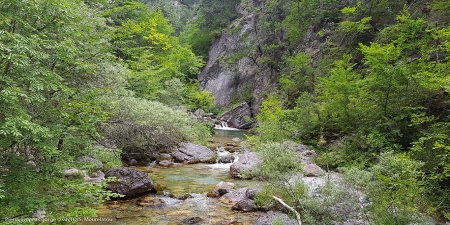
column 270, row 120
column 53, row 56
column 153, row 54
column 298, row 77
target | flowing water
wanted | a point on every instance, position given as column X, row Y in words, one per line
column 181, row 181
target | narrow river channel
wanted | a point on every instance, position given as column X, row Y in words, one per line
column 192, row 180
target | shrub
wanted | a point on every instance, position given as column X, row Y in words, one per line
column 139, row 123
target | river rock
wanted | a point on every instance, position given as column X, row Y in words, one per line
column 151, row 201
column 271, row 217
column 133, row 162
column 234, row 196
column 313, row 170
column 192, row 220
column 245, row 165
column 165, row 163
column 245, row 205
column 251, row 192
column 192, row 153
column 132, row 182
column 225, row 159
column 221, row 189
column 236, row 116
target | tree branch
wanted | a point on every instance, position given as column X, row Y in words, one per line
column 290, row 208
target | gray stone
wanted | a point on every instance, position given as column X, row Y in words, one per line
column 95, row 177
column 225, row 159
column 165, row 163
column 133, row 162
column 252, row 191
column 234, row 196
column 245, row 165
column 245, row 205
column 132, row 182
column 313, row 170
column 71, row 172
column 192, row 153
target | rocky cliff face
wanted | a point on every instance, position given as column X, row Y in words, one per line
column 233, row 72
column 241, row 68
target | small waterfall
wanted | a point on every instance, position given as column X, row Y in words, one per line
column 224, row 124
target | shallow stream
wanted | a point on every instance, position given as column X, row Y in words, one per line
column 178, row 181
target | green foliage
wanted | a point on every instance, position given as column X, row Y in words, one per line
column 46, row 188
column 153, row 54
column 201, row 100
column 109, row 157
column 394, row 187
column 270, row 124
column 60, row 83
column 143, row 124
column 297, row 77
column 173, row 93
column 356, row 27
column 279, row 164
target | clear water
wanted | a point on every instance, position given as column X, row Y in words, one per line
column 179, row 180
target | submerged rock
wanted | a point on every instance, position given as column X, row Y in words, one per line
column 151, row 201
column 192, row 220
column 132, row 182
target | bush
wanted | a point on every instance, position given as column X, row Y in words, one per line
column 142, row 124
column 201, row 100
column 394, row 188
column 109, row 157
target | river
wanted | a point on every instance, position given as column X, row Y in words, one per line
column 179, row 180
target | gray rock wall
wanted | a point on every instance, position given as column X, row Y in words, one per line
column 238, row 78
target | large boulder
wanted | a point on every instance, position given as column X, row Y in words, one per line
column 245, row 165
column 236, row 117
column 132, row 182
column 192, row 153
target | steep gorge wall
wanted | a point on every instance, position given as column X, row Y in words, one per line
column 240, row 67
column 233, row 72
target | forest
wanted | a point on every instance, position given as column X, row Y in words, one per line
column 372, row 97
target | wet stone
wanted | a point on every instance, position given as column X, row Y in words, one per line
column 192, row 220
